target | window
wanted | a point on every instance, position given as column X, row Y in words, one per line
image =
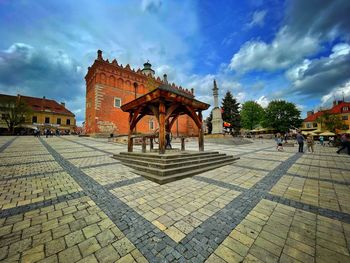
column 308, row 125
column 151, row 125
column 47, row 119
column 315, row 124
column 117, row 102
column 345, row 108
column 345, row 127
column 344, row 117
column 58, row 120
column 34, row 119
column 68, row 122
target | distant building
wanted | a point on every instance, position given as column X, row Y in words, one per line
column 110, row 85
column 45, row 114
column 340, row 108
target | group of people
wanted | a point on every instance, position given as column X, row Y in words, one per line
column 344, row 139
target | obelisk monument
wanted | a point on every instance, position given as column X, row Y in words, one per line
column 217, row 118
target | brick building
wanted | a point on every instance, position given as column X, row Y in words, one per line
column 110, row 85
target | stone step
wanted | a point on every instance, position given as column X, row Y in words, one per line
column 167, row 156
column 171, row 163
column 179, row 169
column 171, row 178
column 178, row 159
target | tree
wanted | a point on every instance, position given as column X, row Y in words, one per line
column 209, row 123
column 251, row 114
column 330, row 121
column 281, row 116
column 14, row 111
column 230, row 111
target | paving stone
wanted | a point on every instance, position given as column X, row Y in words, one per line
column 107, row 254
column 89, row 246
column 70, row 254
column 54, row 246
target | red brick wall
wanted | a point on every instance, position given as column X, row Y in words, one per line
column 106, row 81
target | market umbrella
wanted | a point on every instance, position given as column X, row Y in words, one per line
column 327, row 133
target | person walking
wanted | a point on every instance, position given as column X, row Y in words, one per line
column 300, row 140
column 310, row 143
column 345, row 143
column 279, row 141
column 321, row 140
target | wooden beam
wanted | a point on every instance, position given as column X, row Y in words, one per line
column 138, row 119
column 170, row 110
column 134, row 118
column 130, row 139
column 200, row 133
column 155, row 111
column 173, row 121
column 194, row 116
column 161, row 127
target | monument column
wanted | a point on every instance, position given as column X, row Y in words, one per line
column 217, row 117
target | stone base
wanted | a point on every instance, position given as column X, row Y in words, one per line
column 173, row 165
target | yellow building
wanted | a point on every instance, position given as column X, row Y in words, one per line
column 45, row 114
column 340, row 108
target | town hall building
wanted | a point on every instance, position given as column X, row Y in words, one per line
column 110, row 85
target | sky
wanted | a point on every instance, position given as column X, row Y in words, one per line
column 258, row 50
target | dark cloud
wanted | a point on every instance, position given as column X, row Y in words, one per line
column 322, row 18
column 320, row 76
column 40, row 72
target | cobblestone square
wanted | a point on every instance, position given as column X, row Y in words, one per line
column 64, row 199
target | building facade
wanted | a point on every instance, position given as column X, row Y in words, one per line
column 109, row 86
column 340, row 108
column 44, row 114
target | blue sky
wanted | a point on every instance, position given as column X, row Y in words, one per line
column 259, row 50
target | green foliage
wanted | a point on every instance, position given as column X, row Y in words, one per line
column 209, row 123
column 230, row 114
column 330, row 121
column 251, row 114
column 281, row 116
column 14, row 111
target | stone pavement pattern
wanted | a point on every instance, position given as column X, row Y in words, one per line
column 65, row 200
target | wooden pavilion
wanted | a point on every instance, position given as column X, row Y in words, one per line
column 166, row 103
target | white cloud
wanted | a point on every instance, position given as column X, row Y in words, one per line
column 337, row 94
column 284, row 51
column 263, row 101
column 257, row 19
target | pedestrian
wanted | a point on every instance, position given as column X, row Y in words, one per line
column 321, row 140
column 279, row 140
column 310, row 143
column 345, row 143
column 300, row 140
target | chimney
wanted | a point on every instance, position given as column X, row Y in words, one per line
column 192, row 91
column 339, row 101
column 63, row 104
column 44, row 97
column 334, row 103
column 99, row 55
column 309, row 113
column 165, row 78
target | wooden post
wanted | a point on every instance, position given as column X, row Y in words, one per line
column 182, row 143
column 143, row 144
column 150, row 144
column 130, row 139
column 200, row 133
column 161, row 127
